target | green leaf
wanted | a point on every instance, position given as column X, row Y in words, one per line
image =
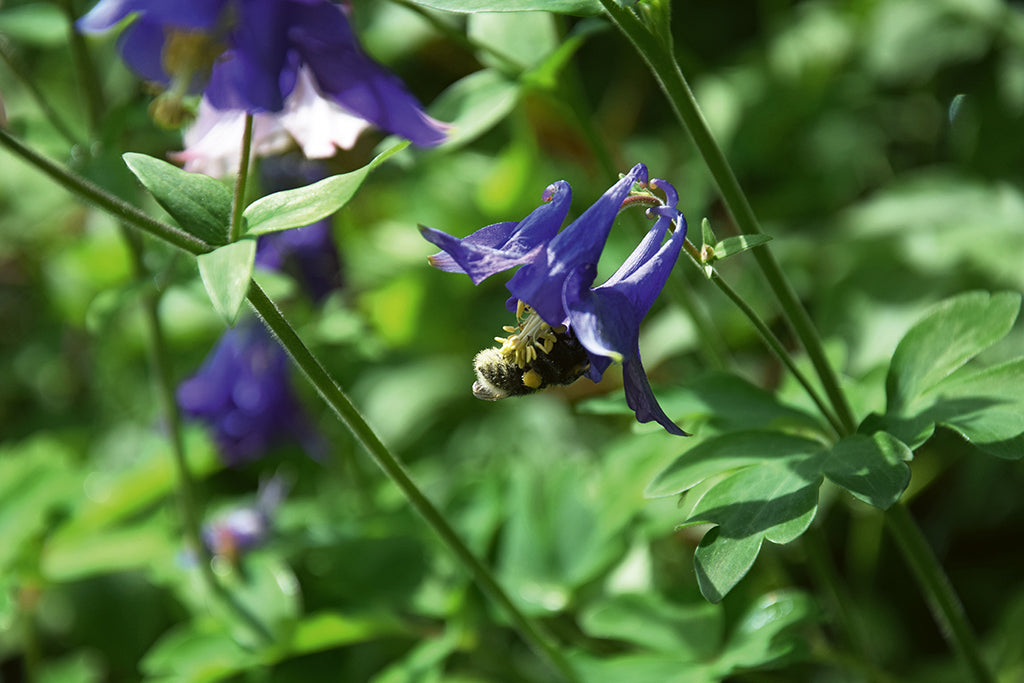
column 691, row 632
column 475, row 104
column 305, row 205
column 226, row 274
column 774, row 501
column 873, row 468
column 734, row 245
column 707, row 235
column 766, row 633
column 984, row 406
column 114, row 550
column 38, row 476
column 39, row 24
column 525, row 38
column 328, row 630
column 196, row 654
column 642, row 668
column 200, row 204
column 729, row 452
column 576, row 7
column 560, row 539
column 953, row 333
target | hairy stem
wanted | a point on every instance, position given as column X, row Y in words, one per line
column 769, row 338
column 329, row 391
column 357, row 425
column 238, row 200
column 659, row 58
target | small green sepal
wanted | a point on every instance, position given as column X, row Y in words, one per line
column 226, row 274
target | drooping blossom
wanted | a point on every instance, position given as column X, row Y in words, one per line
column 555, row 281
column 250, row 56
column 316, row 124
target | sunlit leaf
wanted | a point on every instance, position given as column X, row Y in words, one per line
column 953, row 333
column 740, row 243
column 873, row 468
column 774, row 501
column 305, row 205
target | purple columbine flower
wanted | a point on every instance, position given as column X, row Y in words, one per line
column 567, row 327
column 242, row 392
column 247, row 55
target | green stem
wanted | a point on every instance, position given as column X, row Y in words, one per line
column 659, row 58
column 96, row 195
column 191, row 514
column 819, row 559
column 88, row 77
column 29, row 83
column 357, row 425
column 238, row 201
column 769, row 338
column 942, row 598
column 328, row 389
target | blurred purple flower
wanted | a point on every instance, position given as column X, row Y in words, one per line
column 557, row 276
column 236, row 532
column 308, row 254
column 248, row 54
column 242, row 392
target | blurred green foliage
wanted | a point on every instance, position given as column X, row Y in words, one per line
column 880, row 144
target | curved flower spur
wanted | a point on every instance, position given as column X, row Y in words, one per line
column 565, row 326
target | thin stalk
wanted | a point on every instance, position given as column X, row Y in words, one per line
column 357, row 425
column 819, row 559
column 238, row 201
column 110, row 203
column 942, row 598
column 769, row 338
column 88, row 76
column 659, row 58
column 29, row 84
column 188, row 501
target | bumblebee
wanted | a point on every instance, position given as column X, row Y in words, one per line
column 534, row 357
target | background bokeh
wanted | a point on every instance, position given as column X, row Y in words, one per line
column 879, row 143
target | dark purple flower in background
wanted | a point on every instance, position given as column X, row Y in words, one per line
column 308, row 254
column 553, row 291
column 243, row 394
column 247, row 55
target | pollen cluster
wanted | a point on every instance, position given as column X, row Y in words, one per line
column 529, row 335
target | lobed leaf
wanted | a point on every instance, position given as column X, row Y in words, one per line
column 774, row 501
column 872, row 468
column 728, row 452
column 954, row 332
